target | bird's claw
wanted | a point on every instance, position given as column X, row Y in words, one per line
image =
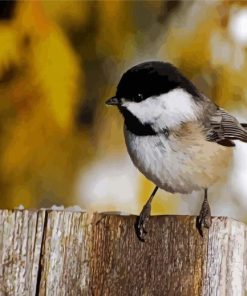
column 142, row 222
column 204, row 220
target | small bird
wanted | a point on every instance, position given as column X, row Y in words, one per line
column 175, row 135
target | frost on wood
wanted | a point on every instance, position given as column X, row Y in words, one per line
column 74, row 253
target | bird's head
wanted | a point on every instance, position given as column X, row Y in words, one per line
column 156, row 94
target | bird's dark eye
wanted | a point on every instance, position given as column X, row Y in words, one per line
column 139, row 97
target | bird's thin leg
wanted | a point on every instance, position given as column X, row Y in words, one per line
column 144, row 217
column 204, row 219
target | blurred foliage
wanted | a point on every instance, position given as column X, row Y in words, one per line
column 39, row 74
column 60, row 60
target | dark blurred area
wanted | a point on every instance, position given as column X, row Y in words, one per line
column 7, row 9
column 59, row 62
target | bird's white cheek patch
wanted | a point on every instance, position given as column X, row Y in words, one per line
column 166, row 110
column 146, row 111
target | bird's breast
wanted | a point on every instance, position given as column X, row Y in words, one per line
column 177, row 163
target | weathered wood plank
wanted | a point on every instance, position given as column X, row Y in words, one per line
column 66, row 254
column 226, row 259
column 98, row 254
column 170, row 262
column 21, row 234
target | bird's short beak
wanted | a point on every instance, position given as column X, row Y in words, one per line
column 113, row 101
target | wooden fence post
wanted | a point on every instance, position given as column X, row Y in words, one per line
column 48, row 252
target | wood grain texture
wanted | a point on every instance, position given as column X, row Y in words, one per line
column 21, row 234
column 75, row 253
column 226, row 259
column 66, row 254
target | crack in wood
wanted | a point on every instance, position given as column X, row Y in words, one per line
column 39, row 272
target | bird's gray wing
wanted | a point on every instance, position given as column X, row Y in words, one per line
column 223, row 128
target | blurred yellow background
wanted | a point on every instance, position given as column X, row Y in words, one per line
column 59, row 62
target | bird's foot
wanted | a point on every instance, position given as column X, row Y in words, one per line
column 141, row 222
column 204, row 220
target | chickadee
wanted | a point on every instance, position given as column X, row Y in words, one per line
column 176, row 136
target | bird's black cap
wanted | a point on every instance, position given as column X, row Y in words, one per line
column 152, row 78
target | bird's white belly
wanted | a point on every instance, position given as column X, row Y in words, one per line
column 171, row 168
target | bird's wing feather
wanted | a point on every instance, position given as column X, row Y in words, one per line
column 224, row 128
column 244, row 125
